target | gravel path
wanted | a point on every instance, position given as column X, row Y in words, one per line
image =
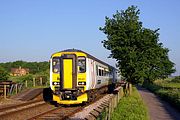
column 158, row 109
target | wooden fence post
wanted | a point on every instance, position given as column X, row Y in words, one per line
column 34, row 82
column 4, row 91
column 20, row 87
column 130, row 89
column 16, row 88
column 26, row 83
column 109, row 109
column 112, row 101
column 11, row 89
column 121, row 93
column 126, row 90
column 41, row 81
column 116, row 99
column 46, row 83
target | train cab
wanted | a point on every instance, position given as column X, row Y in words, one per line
column 68, row 77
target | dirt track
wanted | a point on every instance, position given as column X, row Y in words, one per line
column 158, row 109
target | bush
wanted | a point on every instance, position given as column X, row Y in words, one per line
column 28, row 77
column 170, row 95
column 176, row 79
column 3, row 75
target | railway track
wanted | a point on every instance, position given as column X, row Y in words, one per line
column 38, row 109
column 62, row 112
column 6, row 110
column 59, row 113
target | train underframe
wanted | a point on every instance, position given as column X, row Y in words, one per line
column 69, row 97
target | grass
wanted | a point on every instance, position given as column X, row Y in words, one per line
column 131, row 108
column 19, row 80
column 167, row 84
column 167, row 90
column 14, row 78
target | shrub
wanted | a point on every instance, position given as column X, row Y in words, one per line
column 176, row 79
column 3, row 75
column 170, row 95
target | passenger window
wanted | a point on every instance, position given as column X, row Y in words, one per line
column 81, row 64
column 97, row 70
column 100, row 72
column 56, row 65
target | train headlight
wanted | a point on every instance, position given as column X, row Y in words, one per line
column 56, row 83
column 81, row 83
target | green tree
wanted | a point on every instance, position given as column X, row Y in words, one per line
column 28, row 77
column 139, row 54
column 34, row 67
column 3, row 74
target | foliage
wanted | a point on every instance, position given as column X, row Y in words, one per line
column 37, row 70
column 3, row 74
column 28, row 77
column 167, row 90
column 131, row 108
column 34, row 67
column 139, row 54
column 176, row 79
column 167, row 84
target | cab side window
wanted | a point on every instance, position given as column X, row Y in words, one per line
column 81, row 64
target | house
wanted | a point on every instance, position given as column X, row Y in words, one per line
column 19, row 71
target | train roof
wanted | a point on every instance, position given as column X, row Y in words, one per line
column 88, row 55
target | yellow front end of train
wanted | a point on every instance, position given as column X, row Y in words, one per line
column 68, row 77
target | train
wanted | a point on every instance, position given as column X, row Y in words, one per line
column 77, row 77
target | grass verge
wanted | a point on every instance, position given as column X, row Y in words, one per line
column 131, row 108
column 170, row 95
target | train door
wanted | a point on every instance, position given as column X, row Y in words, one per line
column 68, row 79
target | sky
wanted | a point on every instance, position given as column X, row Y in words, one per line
column 31, row 30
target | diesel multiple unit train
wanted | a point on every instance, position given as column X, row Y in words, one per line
column 76, row 77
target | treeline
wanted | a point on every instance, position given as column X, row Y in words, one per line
column 34, row 67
